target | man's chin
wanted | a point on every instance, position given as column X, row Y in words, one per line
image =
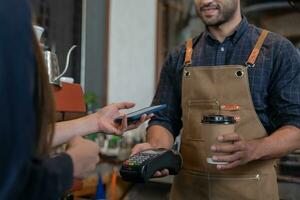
column 212, row 22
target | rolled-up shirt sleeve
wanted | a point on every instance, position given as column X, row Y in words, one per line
column 285, row 87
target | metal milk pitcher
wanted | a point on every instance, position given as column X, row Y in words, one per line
column 51, row 62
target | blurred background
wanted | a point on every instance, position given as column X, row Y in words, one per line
column 119, row 40
column 121, row 46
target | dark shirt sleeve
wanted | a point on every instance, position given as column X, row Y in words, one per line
column 285, row 87
column 44, row 178
column 21, row 175
column 169, row 92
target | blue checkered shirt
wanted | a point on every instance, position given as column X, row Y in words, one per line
column 274, row 82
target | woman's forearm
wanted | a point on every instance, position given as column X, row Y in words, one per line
column 66, row 130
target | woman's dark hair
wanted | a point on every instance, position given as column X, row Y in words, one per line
column 45, row 114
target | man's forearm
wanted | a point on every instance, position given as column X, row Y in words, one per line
column 159, row 136
column 284, row 140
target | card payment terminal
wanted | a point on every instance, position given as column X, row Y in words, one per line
column 142, row 166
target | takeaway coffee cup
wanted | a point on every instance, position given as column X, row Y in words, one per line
column 212, row 127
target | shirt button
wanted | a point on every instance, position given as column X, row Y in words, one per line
column 222, row 49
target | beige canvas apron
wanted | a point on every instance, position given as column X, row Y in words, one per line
column 220, row 90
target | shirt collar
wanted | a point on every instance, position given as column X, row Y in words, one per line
column 235, row 36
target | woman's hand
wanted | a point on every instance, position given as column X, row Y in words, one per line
column 85, row 156
column 105, row 118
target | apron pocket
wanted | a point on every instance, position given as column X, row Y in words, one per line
column 189, row 184
column 235, row 187
column 193, row 117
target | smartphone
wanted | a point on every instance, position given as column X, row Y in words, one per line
column 136, row 115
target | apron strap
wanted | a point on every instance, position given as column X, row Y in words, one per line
column 254, row 54
column 188, row 53
column 250, row 62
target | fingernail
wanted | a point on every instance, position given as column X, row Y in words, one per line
column 215, row 158
column 220, row 138
column 219, row 167
column 213, row 148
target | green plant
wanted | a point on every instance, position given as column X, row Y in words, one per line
column 91, row 100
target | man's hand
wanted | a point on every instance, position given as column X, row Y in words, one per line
column 239, row 151
column 85, row 156
column 105, row 118
column 144, row 146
